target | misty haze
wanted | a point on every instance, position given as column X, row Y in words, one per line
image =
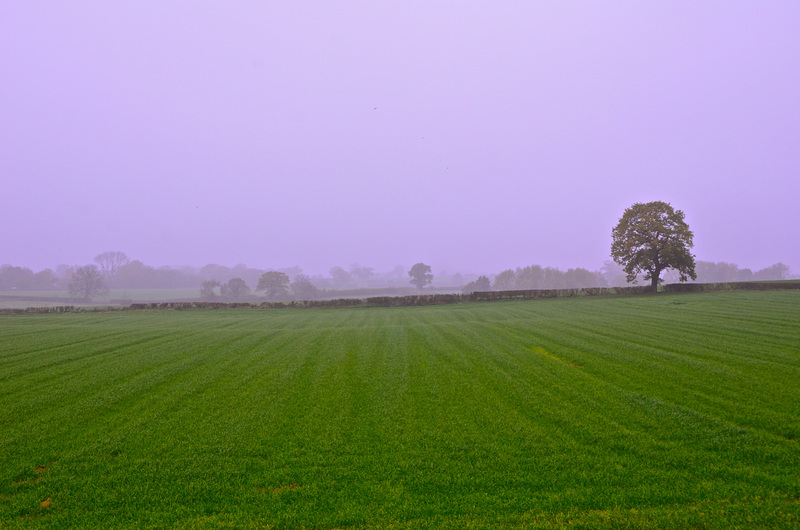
column 366, row 265
column 473, row 138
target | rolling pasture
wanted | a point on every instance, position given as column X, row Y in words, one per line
column 661, row 411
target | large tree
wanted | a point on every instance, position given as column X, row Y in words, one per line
column 87, row 282
column 650, row 238
column 420, row 275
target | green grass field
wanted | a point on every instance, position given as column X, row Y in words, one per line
column 668, row 411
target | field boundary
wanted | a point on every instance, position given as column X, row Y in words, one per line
column 424, row 299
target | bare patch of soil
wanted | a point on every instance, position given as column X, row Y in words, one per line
column 286, row 487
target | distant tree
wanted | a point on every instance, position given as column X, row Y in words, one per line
column 651, row 237
column 110, row 262
column 537, row 277
column 710, row 272
column 249, row 275
column 87, row 282
column 340, row 277
column 482, row 284
column 208, row 293
column 292, row 271
column 778, row 271
column 582, row 278
column 44, row 279
column 420, row 275
column 613, row 274
column 362, row 274
column 303, row 289
column 721, row 272
column 134, row 275
column 505, row 281
column 275, row 284
column 16, row 277
column 554, row 278
column 64, row 275
column 213, row 271
column 531, row 277
column 235, row 289
column 727, row 272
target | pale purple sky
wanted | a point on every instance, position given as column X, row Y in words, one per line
column 473, row 136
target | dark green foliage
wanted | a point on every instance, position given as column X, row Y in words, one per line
column 651, row 237
column 677, row 411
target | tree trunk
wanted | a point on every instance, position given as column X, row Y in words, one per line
column 654, row 281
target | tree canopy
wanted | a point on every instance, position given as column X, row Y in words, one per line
column 650, row 238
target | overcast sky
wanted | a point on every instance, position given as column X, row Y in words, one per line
column 473, row 136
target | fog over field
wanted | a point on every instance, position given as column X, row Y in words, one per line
column 473, row 136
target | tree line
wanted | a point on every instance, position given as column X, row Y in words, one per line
column 216, row 282
column 649, row 239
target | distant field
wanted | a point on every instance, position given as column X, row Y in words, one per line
column 22, row 299
column 668, row 411
column 155, row 295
